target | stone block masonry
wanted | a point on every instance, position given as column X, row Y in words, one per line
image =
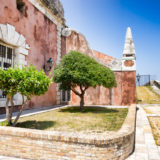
column 52, row 145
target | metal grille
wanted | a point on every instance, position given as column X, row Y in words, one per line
column 65, row 96
column 6, row 57
column 143, row 80
column 6, row 60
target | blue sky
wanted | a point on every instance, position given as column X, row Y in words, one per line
column 104, row 24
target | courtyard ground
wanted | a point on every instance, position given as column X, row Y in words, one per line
column 91, row 120
column 145, row 95
column 145, row 146
column 153, row 114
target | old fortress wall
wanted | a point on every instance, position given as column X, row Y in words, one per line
column 36, row 30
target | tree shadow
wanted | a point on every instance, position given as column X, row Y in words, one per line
column 88, row 109
column 32, row 124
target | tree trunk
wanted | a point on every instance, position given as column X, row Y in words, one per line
column 7, row 111
column 20, row 111
column 82, row 102
column 11, row 110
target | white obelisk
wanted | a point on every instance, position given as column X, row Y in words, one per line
column 129, row 57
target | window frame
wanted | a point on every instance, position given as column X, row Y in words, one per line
column 6, row 60
column 66, row 96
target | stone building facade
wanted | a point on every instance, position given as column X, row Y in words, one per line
column 35, row 31
column 124, row 70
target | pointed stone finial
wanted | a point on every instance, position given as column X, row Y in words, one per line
column 128, row 33
column 129, row 50
column 129, row 58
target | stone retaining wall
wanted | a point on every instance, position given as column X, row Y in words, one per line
column 36, row 144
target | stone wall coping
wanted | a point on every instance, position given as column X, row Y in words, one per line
column 127, row 130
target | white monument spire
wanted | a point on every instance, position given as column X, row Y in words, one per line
column 129, row 50
column 129, row 57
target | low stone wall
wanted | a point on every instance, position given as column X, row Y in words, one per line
column 41, row 145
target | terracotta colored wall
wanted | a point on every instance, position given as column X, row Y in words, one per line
column 123, row 94
column 117, row 92
column 129, row 88
column 63, row 46
column 40, row 34
column 77, row 42
column 93, row 96
column 103, row 57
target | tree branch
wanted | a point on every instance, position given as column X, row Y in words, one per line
column 81, row 88
column 76, row 92
column 86, row 87
column 20, row 111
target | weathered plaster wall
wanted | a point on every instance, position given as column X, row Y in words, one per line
column 41, row 36
column 123, row 94
column 93, row 96
column 77, row 42
column 128, row 87
column 56, row 7
column 103, row 57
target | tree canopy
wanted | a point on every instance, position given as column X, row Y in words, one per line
column 26, row 81
column 77, row 69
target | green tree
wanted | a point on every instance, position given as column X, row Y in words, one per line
column 9, row 80
column 26, row 81
column 78, row 72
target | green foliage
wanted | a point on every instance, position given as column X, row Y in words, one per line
column 9, row 80
column 4, row 123
column 77, row 69
column 34, row 82
column 26, row 81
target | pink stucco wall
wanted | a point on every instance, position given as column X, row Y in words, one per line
column 41, row 36
column 123, row 94
column 103, row 57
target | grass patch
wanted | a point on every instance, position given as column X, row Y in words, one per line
column 155, row 125
column 94, row 119
column 145, row 95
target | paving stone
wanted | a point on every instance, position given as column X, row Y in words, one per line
column 145, row 147
column 141, row 148
column 141, row 156
column 154, row 155
column 9, row 158
column 140, row 140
